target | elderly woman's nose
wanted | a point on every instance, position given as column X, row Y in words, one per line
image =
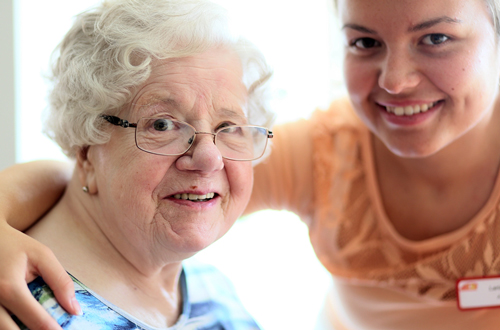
column 202, row 156
column 398, row 72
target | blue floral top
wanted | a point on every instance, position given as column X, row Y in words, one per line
column 209, row 303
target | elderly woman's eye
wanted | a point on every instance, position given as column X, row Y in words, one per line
column 435, row 39
column 227, row 128
column 365, row 43
column 231, row 130
column 163, row 124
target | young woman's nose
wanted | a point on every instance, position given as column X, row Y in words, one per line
column 398, row 72
column 203, row 156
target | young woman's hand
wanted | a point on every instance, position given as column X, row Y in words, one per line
column 22, row 259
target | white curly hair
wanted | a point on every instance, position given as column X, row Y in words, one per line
column 109, row 50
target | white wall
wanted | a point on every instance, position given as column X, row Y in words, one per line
column 7, row 85
column 41, row 25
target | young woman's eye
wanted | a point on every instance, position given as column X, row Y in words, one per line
column 434, row 39
column 365, row 43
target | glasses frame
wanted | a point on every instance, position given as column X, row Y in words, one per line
column 126, row 124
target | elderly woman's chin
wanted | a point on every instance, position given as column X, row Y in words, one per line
column 190, row 226
column 188, row 235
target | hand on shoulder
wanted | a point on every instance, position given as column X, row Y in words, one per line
column 22, row 259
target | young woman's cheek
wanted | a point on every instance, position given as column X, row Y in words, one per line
column 360, row 78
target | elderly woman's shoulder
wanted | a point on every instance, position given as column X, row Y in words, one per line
column 207, row 279
column 210, row 303
column 211, row 294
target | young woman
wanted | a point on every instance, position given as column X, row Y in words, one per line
column 398, row 185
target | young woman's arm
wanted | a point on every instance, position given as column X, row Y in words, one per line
column 27, row 191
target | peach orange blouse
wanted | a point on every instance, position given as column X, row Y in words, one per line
column 323, row 170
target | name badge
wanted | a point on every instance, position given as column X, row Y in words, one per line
column 476, row 293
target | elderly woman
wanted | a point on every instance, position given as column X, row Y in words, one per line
column 154, row 100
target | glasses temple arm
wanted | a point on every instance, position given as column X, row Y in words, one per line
column 118, row 121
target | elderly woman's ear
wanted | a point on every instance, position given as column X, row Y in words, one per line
column 86, row 170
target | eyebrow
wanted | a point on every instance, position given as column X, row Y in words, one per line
column 225, row 112
column 414, row 28
column 359, row 28
column 232, row 114
column 432, row 22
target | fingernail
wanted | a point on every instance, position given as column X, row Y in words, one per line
column 76, row 306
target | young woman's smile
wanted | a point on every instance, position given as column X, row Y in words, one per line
column 408, row 113
column 420, row 73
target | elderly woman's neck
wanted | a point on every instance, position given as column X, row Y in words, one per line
column 73, row 229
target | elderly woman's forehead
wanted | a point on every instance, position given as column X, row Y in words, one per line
column 187, row 108
column 200, row 70
column 224, row 56
column 193, row 81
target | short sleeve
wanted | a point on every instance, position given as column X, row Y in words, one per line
column 283, row 181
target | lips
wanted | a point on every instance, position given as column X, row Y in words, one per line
column 410, row 109
column 195, row 197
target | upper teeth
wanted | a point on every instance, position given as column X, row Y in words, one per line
column 194, row 197
column 410, row 109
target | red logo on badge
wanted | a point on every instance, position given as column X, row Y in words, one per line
column 469, row 287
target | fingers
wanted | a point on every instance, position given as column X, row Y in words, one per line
column 58, row 280
column 21, row 256
column 6, row 321
column 19, row 300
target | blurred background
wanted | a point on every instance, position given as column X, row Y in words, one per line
column 267, row 255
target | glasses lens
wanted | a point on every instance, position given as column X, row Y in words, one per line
column 163, row 136
column 242, row 142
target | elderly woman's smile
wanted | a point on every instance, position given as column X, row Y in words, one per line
column 195, row 197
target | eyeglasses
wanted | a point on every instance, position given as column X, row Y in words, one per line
column 170, row 137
